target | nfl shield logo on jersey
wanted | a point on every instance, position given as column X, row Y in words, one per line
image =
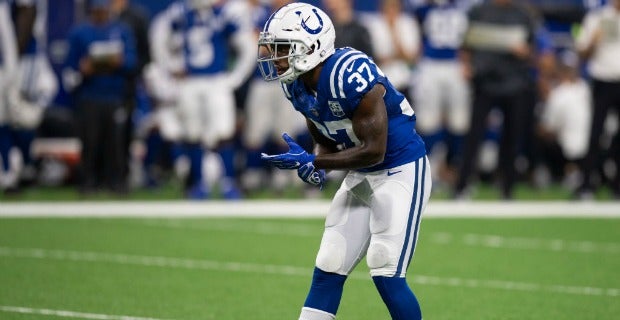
column 336, row 109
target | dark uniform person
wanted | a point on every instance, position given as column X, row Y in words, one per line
column 497, row 51
column 99, row 66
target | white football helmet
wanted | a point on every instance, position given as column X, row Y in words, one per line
column 299, row 32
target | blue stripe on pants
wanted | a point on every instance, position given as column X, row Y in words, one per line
column 412, row 211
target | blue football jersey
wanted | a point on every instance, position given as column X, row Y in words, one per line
column 443, row 30
column 205, row 37
column 346, row 77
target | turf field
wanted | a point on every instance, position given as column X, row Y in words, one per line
column 259, row 268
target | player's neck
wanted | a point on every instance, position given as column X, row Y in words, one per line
column 311, row 78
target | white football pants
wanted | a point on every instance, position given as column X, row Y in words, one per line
column 376, row 215
column 206, row 109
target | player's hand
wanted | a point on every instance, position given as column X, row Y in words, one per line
column 293, row 159
column 309, row 174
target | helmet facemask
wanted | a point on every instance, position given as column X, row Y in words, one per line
column 271, row 51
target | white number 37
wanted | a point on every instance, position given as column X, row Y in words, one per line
column 359, row 79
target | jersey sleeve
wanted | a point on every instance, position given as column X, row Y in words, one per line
column 354, row 76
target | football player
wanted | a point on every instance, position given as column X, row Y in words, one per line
column 206, row 103
column 8, row 63
column 360, row 123
column 34, row 85
column 441, row 91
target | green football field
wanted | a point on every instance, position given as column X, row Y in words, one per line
column 260, row 268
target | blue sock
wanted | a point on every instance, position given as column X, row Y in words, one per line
column 177, row 150
column 154, row 144
column 227, row 153
column 24, row 141
column 455, row 148
column 398, row 297
column 195, row 154
column 5, row 146
column 430, row 140
column 326, row 291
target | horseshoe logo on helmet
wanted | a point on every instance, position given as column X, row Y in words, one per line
column 305, row 26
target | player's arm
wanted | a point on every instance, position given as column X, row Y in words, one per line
column 322, row 145
column 370, row 124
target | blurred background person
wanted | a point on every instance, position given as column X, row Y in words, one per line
column 267, row 111
column 8, row 65
column 350, row 32
column 598, row 44
column 395, row 36
column 562, row 135
column 137, row 19
column 440, row 91
column 99, row 68
column 207, row 29
column 497, row 54
column 35, row 83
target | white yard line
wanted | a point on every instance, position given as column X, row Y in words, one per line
column 264, row 228
column 69, row 314
column 169, row 262
column 503, row 242
column 302, row 209
column 469, row 239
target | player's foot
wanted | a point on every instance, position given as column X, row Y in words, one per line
column 198, row 192
column 232, row 193
column 584, row 194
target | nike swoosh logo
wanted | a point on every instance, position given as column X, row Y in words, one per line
column 391, row 173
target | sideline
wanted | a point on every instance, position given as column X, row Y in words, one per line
column 303, row 209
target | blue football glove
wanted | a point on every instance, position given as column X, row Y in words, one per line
column 309, row 174
column 293, row 159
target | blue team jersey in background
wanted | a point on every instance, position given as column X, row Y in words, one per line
column 205, row 37
column 444, row 28
column 346, row 77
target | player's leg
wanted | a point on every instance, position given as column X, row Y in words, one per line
column 458, row 113
column 428, row 97
column 344, row 244
column 220, row 123
column 7, row 177
column 396, row 210
column 89, row 128
column 602, row 99
column 511, row 140
column 190, row 114
column 259, row 111
column 482, row 103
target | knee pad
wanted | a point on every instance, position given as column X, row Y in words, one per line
column 332, row 253
column 380, row 259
